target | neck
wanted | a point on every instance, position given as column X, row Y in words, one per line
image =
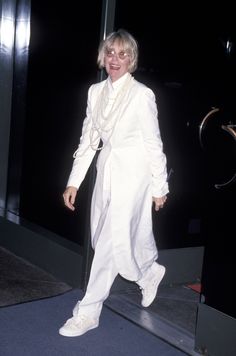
column 115, row 79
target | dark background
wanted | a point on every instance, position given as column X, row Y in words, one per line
column 62, row 65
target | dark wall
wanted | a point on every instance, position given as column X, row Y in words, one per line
column 184, row 59
column 219, row 265
column 62, row 65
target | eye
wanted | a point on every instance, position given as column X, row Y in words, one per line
column 110, row 52
column 122, row 54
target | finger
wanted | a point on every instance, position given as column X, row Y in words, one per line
column 70, row 206
column 69, row 201
column 66, row 199
column 72, row 199
column 158, row 206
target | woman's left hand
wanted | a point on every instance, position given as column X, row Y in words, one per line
column 159, row 202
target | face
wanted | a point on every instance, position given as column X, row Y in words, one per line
column 116, row 61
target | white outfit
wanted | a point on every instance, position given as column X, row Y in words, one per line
column 131, row 169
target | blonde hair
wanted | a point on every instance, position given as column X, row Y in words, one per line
column 126, row 40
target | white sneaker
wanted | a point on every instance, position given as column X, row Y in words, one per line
column 78, row 325
column 150, row 290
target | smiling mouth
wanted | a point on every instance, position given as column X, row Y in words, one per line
column 114, row 66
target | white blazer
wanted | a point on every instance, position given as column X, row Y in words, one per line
column 132, row 168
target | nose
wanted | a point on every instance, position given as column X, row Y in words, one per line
column 115, row 55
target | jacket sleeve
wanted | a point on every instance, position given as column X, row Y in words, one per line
column 84, row 154
column 148, row 119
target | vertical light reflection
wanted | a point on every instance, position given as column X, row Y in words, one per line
column 7, row 33
column 23, row 30
column 229, row 46
column 14, row 34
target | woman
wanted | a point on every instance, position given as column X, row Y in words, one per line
column 131, row 174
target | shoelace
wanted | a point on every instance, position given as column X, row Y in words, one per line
column 80, row 320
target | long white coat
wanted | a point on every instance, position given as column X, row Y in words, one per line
column 132, row 169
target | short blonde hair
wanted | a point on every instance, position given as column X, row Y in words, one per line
column 129, row 43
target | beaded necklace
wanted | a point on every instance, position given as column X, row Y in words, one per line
column 104, row 120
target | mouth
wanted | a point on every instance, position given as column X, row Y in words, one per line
column 114, row 67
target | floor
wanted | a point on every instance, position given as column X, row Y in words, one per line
column 171, row 317
column 20, row 281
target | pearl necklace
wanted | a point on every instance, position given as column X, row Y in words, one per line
column 103, row 121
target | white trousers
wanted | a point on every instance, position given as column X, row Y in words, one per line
column 103, row 273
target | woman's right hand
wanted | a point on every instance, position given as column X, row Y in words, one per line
column 69, row 196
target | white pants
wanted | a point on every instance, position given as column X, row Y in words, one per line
column 103, row 273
